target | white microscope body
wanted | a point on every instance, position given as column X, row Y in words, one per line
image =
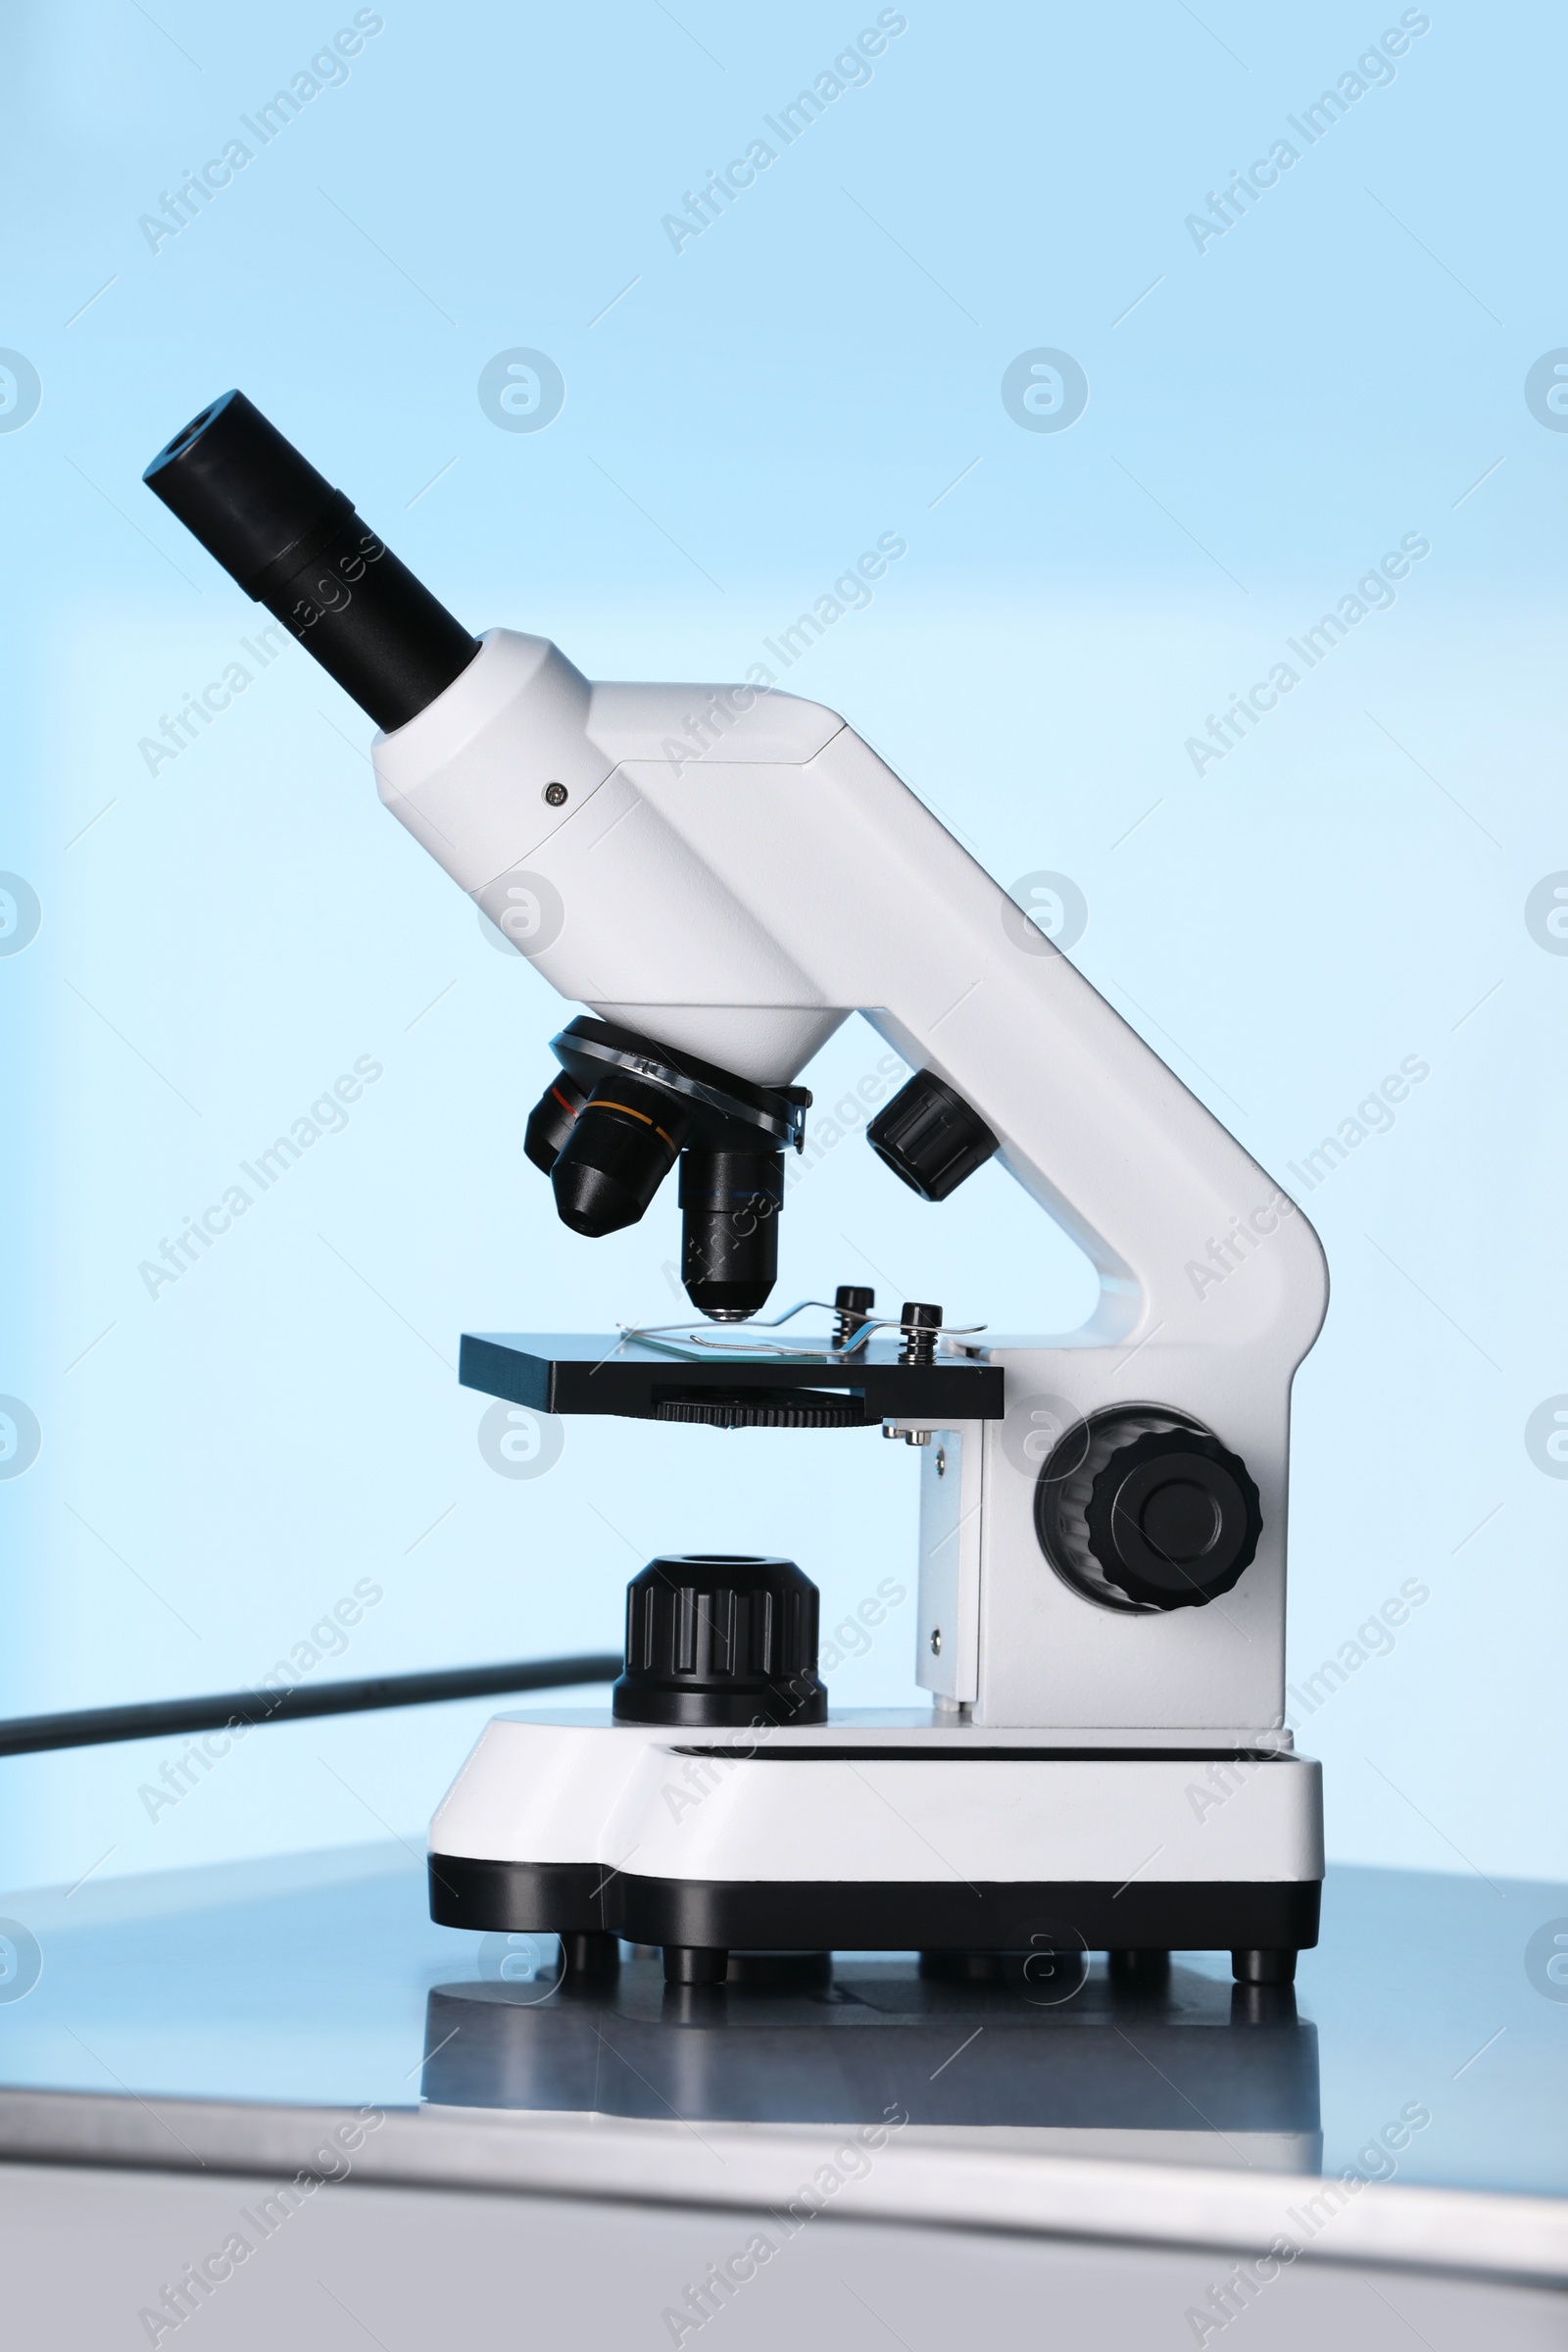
column 733, row 871
column 722, row 875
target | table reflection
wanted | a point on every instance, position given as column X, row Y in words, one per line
column 1168, row 2065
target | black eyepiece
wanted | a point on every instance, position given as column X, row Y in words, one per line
column 297, row 546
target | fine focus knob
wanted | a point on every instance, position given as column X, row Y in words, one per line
column 930, row 1137
column 720, row 1637
column 1140, row 1507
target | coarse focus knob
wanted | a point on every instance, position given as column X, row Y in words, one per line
column 720, row 1637
column 1173, row 1520
column 930, row 1137
column 1141, row 1507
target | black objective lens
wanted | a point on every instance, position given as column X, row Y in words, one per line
column 621, row 1147
column 297, row 546
column 730, row 1203
column 550, row 1122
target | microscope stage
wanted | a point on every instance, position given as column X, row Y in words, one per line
column 643, row 1380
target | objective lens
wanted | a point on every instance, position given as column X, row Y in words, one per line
column 730, row 1203
column 621, row 1147
column 552, row 1120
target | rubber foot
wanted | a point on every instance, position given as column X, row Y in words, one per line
column 1262, row 2004
column 778, row 1970
column 590, row 1957
column 1263, row 1968
column 962, row 1968
column 693, row 1964
column 1136, row 1972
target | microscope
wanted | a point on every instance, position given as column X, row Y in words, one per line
column 721, row 876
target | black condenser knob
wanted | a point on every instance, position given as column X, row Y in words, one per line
column 1173, row 1519
column 720, row 1637
column 930, row 1137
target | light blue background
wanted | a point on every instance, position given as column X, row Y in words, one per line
column 220, row 941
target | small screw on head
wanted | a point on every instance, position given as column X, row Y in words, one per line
column 942, row 1461
column 936, row 1641
column 554, row 796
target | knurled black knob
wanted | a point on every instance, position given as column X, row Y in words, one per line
column 1174, row 1518
column 930, row 1137
column 720, row 1637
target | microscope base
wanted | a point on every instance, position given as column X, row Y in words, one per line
column 881, row 1913
column 881, row 1832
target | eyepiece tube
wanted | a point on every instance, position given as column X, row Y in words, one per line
column 296, row 544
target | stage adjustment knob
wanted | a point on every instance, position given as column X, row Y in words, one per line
column 1141, row 1507
column 930, row 1137
column 720, row 1637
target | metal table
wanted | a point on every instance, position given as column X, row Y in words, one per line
column 272, row 2102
